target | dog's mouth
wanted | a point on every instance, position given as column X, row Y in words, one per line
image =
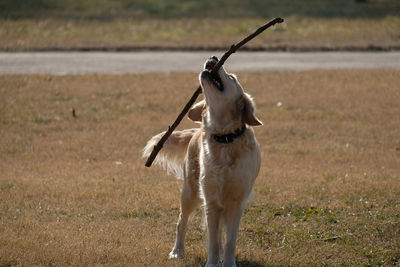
column 213, row 78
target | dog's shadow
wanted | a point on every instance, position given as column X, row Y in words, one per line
column 239, row 263
column 246, row 263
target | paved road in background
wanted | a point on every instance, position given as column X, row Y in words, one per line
column 145, row 62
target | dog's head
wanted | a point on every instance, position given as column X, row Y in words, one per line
column 225, row 101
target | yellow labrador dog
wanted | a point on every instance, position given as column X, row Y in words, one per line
column 218, row 161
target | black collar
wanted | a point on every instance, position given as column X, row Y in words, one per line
column 229, row 138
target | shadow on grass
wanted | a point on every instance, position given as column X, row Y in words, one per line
column 246, row 263
column 239, row 263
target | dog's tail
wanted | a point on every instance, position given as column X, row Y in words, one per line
column 171, row 156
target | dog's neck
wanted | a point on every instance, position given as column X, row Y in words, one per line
column 221, row 125
column 230, row 137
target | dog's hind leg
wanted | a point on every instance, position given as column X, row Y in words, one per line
column 190, row 198
column 189, row 202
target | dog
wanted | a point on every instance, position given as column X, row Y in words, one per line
column 218, row 162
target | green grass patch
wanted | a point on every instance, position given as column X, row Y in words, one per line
column 101, row 9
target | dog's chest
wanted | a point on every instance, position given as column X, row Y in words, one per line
column 226, row 176
column 225, row 155
column 228, row 171
column 238, row 160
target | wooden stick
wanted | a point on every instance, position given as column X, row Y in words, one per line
column 171, row 128
column 215, row 69
column 244, row 41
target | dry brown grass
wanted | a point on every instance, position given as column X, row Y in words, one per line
column 294, row 33
column 76, row 192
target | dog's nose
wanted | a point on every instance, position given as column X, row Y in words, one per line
column 210, row 63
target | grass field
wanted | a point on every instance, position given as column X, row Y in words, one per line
column 207, row 24
column 139, row 9
column 74, row 191
column 296, row 33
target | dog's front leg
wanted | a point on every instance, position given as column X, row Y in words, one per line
column 233, row 216
column 213, row 219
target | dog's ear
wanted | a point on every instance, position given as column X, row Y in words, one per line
column 248, row 110
column 196, row 111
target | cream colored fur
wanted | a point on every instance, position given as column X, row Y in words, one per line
column 216, row 175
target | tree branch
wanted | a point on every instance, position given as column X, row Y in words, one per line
column 232, row 50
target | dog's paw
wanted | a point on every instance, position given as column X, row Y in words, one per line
column 177, row 253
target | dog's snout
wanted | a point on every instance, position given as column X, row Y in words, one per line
column 210, row 63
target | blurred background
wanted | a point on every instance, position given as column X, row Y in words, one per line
column 193, row 24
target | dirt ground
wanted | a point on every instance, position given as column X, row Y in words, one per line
column 74, row 190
